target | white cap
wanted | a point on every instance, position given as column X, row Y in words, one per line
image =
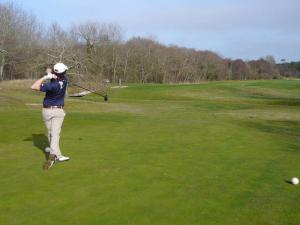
column 60, row 68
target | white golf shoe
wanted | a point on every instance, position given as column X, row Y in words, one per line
column 63, row 158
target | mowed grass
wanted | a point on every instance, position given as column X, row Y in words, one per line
column 199, row 154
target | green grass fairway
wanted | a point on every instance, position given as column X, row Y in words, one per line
column 216, row 153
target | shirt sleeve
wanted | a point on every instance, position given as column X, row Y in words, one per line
column 52, row 86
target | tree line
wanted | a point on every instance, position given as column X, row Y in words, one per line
column 98, row 50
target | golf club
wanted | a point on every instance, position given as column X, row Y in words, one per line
column 105, row 97
column 94, row 92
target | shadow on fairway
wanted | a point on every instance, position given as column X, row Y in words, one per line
column 288, row 181
column 40, row 141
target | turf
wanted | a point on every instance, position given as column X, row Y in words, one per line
column 210, row 153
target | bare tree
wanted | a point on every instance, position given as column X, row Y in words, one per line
column 96, row 51
column 19, row 40
column 7, row 33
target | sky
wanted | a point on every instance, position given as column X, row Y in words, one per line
column 246, row 29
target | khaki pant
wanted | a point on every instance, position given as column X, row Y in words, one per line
column 53, row 119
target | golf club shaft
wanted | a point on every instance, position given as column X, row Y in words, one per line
column 87, row 89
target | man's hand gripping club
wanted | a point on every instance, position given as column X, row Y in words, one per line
column 38, row 83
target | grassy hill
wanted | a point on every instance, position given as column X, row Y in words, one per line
column 210, row 153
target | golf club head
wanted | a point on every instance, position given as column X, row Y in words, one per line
column 105, row 98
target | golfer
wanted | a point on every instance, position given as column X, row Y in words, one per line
column 54, row 84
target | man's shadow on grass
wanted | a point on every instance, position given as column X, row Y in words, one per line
column 40, row 141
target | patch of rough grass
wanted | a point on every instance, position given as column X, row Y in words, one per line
column 264, row 114
column 268, row 93
column 217, row 94
column 16, row 84
column 92, row 106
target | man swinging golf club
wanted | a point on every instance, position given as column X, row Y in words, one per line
column 54, row 84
